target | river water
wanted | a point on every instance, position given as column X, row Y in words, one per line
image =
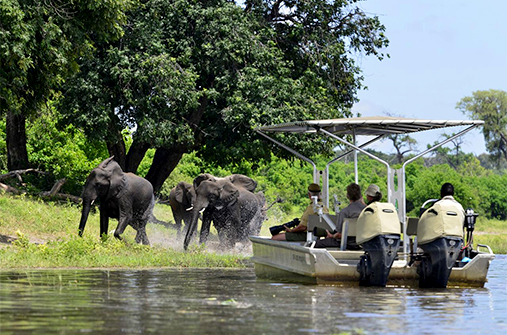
column 217, row 301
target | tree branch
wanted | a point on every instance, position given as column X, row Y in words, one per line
column 54, row 190
column 17, row 174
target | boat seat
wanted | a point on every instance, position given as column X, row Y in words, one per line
column 412, row 232
column 412, row 226
column 348, row 230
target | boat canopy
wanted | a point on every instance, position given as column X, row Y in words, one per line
column 378, row 126
column 368, row 126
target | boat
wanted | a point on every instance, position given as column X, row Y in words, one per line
column 391, row 254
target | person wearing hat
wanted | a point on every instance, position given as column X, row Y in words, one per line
column 373, row 194
column 352, row 211
column 298, row 233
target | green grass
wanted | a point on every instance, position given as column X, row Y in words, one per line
column 88, row 252
column 46, row 237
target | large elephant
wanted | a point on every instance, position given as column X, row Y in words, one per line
column 123, row 196
column 237, row 179
column 234, row 209
column 181, row 200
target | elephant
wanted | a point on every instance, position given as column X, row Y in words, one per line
column 234, row 209
column 181, row 200
column 237, row 179
column 123, row 196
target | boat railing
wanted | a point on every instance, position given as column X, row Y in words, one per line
column 484, row 246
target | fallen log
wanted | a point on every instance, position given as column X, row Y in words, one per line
column 10, row 189
column 17, row 174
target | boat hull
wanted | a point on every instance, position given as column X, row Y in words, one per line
column 291, row 261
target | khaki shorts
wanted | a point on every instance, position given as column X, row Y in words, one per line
column 301, row 236
column 296, row 237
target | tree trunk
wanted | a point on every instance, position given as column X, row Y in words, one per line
column 17, row 156
column 166, row 159
column 135, row 156
column 118, row 150
column 163, row 164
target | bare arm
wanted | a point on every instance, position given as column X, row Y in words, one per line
column 296, row 229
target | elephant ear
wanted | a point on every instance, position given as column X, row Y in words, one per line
column 179, row 191
column 202, row 177
column 118, row 184
column 105, row 162
column 229, row 194
column 190, row 193
column 243, row 181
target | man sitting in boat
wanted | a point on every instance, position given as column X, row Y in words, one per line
column 373, row 194
column 298, row 233
column 447, row 194
column 352, row 211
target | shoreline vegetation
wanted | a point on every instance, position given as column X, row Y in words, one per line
column 39, row 235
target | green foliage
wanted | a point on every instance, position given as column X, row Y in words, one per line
column 63, row 153
column 429, row 181
column 490, row 106
column 201, row 76
column 493, row 196
column 58, row 152
column 3, row 147
column 475, row 186
column 40, row 41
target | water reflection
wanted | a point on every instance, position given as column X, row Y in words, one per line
column 210, row 301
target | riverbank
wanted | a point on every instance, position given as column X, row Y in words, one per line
column 36, row 234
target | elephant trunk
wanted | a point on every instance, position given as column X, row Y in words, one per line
column 199, row 205
column 192, row 228
column 84, row 215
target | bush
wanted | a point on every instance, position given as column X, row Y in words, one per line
column 63, row 153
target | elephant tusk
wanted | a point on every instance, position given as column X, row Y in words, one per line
column 189, row 209
column 91, row 203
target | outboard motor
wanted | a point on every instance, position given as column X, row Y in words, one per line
column 469, row 225
column 378, row 232
column 440, row 236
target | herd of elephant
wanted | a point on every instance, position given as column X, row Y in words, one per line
column 229, row 202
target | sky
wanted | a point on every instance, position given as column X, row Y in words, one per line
column 440, row 52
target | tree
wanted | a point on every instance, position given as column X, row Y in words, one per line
column 451, row 155
column 403, row 144
column 490, row 106
column 39, row 44
column 201, row 75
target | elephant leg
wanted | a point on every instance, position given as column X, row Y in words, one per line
column 177, row 222
column 206, row 224
column 141, row 236
column 104, row 222
column 227, row 236
column 234, row 227
column 123, row 221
